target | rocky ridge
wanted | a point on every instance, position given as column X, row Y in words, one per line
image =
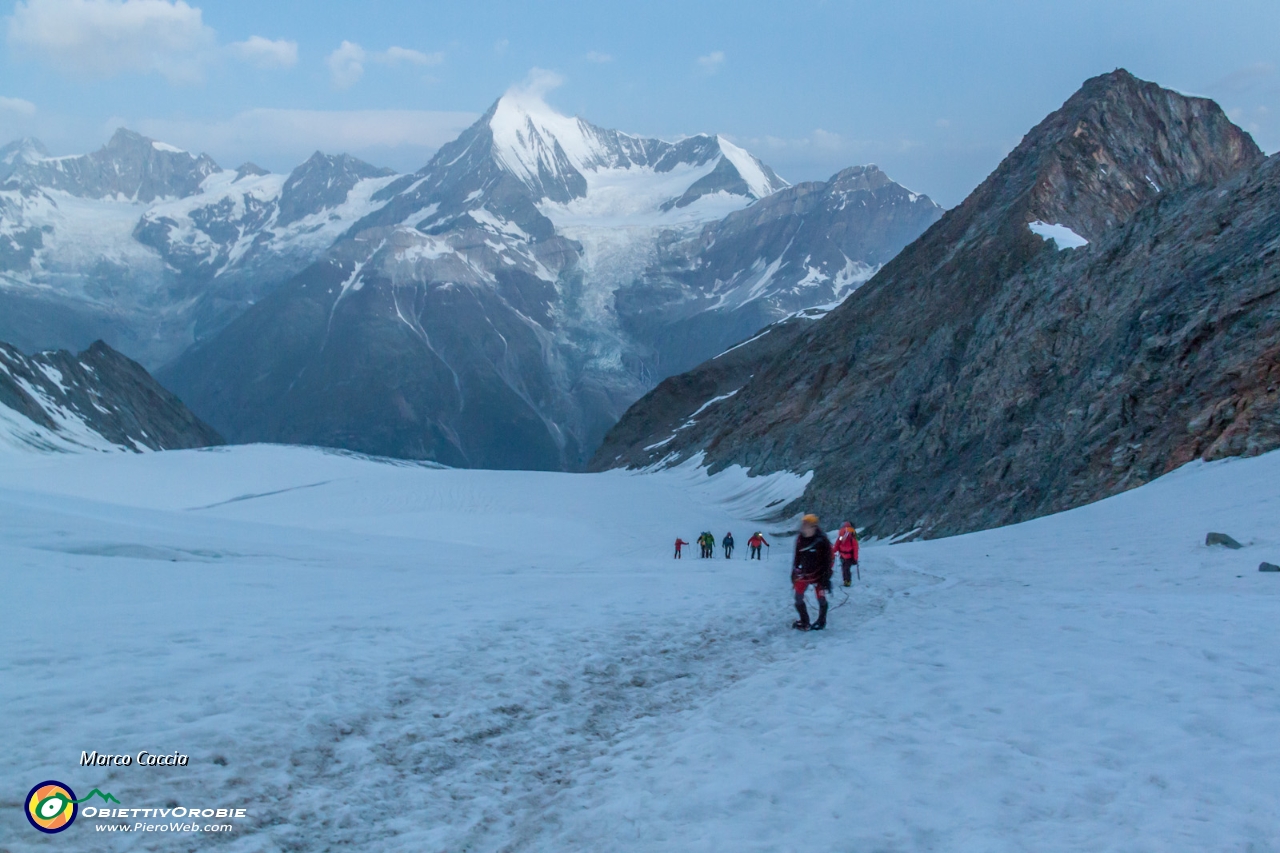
column 985, row 376
column 97, row 400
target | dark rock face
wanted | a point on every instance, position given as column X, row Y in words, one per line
column 1222, row 539
column 448, row 373
column 129, row 166
column 98, row 394
column 984, row 377
column 806, row 245
column 647, row 432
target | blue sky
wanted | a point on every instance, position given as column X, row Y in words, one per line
column 935, row 93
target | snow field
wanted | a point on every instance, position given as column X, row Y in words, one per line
column 382, row 656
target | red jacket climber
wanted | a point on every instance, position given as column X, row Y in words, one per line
column 846, row 547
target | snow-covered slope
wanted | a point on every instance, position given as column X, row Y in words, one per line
column 97, row 400
column 805, row 247
column 391, row 657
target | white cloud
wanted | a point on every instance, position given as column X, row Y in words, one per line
column 500, row 46
column 287, row 137
column 536, row 84
column 346, row 63
column 106, row 37
column 266, row 53
column 395, row 55
column 712, row 61
column 17, row 105
column 597, row 56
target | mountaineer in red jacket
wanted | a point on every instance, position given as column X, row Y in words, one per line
column 755, row 543
column 846, row 548
column 679, row 543
column 811, row 567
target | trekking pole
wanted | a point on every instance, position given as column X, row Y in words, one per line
column 858, row 566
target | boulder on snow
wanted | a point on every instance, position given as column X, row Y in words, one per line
column 1268, row 567
column 1222, row 539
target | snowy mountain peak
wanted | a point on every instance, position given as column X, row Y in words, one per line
column 759, row 178
column 535, row 143
column 560, row 157
column 130, row 166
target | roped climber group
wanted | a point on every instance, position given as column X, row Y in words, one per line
column 707, row 545
column 812, row 565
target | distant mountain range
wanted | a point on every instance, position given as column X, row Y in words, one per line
column 1103, row 308
column 500, row 307
column 483, row 313
column 152, row 247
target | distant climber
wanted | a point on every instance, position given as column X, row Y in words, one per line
column 727, row 542
column 846, row 548
column 755, row 543
column 708, row 542
column 811, row 566
column 680, row 543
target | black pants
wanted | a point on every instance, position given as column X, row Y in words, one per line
column 728, row 552
column 755, row 552
column 846, row 569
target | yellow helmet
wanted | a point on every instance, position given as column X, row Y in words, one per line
column 810, row 518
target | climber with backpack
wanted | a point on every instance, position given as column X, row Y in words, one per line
column 727, row 542
column 708, row 542
column 811, row 567
column 846, row 547
column 755, row 543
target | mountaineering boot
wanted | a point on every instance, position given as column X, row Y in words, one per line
column 822, row 617
column 848, row 583
column 803, row 622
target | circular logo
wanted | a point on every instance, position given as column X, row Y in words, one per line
column 51, row 806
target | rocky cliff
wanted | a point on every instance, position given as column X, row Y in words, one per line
column 97, row 400
column 1102, row 309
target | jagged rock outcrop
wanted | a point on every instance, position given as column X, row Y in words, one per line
column 986, row 376
column 96, row 400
